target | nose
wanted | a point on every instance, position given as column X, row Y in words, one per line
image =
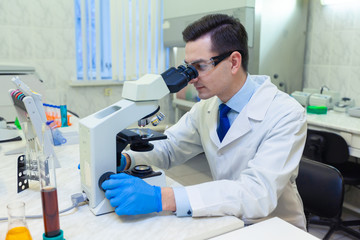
column 192, row 81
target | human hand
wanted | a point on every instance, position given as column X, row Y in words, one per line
column 131, row 195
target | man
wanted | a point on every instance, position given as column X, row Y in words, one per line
column 252, row 135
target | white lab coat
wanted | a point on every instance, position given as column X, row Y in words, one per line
column 255, row 166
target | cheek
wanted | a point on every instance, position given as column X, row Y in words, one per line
column 216, row 82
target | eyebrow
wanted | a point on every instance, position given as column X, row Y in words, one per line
column 196, row 61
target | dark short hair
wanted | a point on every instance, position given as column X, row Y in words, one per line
column 226, row 32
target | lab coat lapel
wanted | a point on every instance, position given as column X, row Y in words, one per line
column 211, row 121
column 255, row 109
column 239, row 128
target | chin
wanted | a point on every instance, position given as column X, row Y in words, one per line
column 205, row 96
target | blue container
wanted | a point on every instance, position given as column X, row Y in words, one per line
column 63, row 113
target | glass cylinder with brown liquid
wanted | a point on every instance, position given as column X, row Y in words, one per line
column 48, row 189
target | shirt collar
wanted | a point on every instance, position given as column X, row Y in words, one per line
column 242, row 97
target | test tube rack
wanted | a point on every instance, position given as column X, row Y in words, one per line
column 31, row 115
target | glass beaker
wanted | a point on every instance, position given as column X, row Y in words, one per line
column 17, row 227
column 30, row 152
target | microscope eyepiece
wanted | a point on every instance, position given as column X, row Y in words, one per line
column 190, row 72
column 181, row 68
column 177, row 79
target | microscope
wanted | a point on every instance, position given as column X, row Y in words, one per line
column 103, row 135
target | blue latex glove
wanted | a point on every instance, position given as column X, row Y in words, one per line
column 131, row 195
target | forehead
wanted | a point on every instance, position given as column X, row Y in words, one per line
column 199, row 49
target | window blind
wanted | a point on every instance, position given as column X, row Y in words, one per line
column 119, row 39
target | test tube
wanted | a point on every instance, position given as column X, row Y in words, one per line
column 57, row 118
column 48, row 188
column 46, row 110
column 63, row 114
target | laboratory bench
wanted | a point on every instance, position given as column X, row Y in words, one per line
column 273, row 228
column 341, row 123
column 81, row 223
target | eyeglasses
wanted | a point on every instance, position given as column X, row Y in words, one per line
column 203, row 66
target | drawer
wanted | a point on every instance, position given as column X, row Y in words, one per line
column 355, row 142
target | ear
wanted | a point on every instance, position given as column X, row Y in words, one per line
column 235, row 59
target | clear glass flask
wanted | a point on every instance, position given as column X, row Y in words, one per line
column 17, row 227
column 48, row 187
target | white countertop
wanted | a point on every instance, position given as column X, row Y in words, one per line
column 82, row 224
column 271, row 229
column 335, row 120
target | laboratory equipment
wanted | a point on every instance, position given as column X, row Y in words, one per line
column 8, row 133
column 335, row 95
column 58, row 114
column 48, row 189
column 354, row 112
column 302, row 97
column 63, row 115
column 17, row 226
column 30, row 110
column 316, row 109
column 100, row 143
column 318, row 99
column 344, row 104
column 31, row 115
column 28, row 76
column 147, row 173
column 144, row 172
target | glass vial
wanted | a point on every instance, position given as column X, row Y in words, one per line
column 17, row 227
column 48, row 189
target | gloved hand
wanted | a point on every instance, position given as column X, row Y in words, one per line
column 131, row 195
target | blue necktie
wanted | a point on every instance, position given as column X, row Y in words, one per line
column 224, row 124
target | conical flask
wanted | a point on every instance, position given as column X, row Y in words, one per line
column 17, row 227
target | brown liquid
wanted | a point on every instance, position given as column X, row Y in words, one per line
column 50, row 212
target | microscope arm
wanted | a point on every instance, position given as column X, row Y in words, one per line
column 98, row 132
column 98, row 144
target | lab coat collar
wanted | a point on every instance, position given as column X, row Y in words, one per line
column 262, row 98
column 211, row 120
column 255, row 109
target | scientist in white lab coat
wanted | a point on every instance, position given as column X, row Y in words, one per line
column 252, row 135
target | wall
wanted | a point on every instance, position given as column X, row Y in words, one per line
column 41, row 33
column 333, row 57
column 333, row 49
column 282, row 42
